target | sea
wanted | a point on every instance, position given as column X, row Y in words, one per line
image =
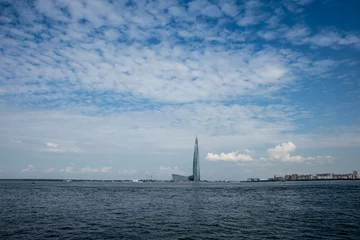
column 114, row 210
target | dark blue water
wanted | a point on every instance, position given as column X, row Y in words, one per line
column 79, row 210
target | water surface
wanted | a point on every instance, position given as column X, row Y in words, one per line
column 95, row 210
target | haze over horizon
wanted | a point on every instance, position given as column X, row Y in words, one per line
column 120, row 89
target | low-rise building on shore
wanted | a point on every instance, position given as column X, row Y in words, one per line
column 309, row 177
column 321, row 176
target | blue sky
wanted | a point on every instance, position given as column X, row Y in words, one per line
column 120, row 89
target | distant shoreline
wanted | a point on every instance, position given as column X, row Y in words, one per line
column 303, row 180
column 168, row 181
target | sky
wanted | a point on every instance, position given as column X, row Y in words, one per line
column 120, row 89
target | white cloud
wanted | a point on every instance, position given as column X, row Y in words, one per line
column 67, row 170
column 49, row 170
column 162, row 72
column 50, row 9
column 252, row 14
column 247, row 151
column 30, row 168
column 95, row 170
column 89, row 170
column 240, row 72
column 211, row 11
column 328, row 38
column 167, row 72
column 297, row 33
column 53, row 147
column 268, row 35
column 230, row 157
column 127, row 172
column 300, row 34
column 218, row 126
column 296, row 6
column 282, row 153
column 149, row 129
column 105, row 169
column 229, row 9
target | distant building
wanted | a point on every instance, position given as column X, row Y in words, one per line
column 180, row 178
column 291, row 177
column 321, row 176
column 196, row 168
column 325, row 176
column 278, row 178
column 253, row 179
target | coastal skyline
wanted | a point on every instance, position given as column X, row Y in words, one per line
column 119, row 89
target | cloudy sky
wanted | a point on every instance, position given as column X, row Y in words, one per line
column 119, row 89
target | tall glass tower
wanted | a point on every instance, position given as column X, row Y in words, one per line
column 196, row 165
column 196, row 168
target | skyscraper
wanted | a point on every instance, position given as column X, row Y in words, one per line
column 196, row 167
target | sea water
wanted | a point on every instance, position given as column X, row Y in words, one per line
column 114, row 210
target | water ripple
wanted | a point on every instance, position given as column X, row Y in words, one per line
column 76, row 210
